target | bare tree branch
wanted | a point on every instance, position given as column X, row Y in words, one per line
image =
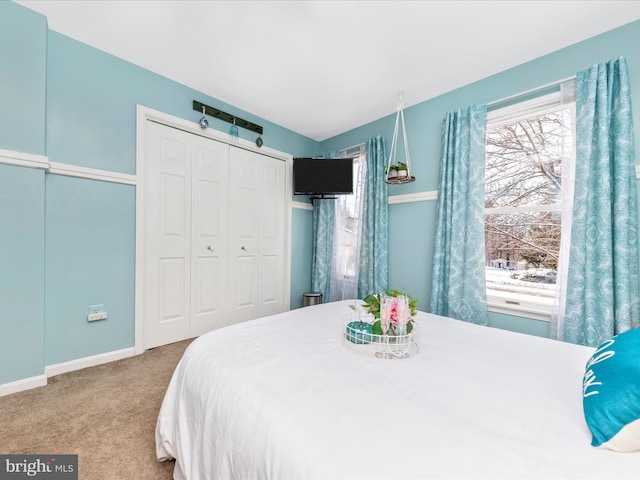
column 523, row 168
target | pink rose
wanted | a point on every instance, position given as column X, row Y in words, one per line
column 394, row 311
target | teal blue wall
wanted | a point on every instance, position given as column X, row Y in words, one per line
column 301, row 246
column 23, row 54
column 91, row 107
column 21, row 273
column 68, row 243
column 410, row 251
column 412, row 225
column 90, row 253
column 22, row 128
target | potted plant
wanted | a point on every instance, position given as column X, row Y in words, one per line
column 403, row 170
column 392, row 171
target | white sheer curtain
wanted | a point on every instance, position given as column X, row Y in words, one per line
column 567, row 90
column 347, row 232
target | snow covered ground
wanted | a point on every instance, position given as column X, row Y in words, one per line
column 499, row 280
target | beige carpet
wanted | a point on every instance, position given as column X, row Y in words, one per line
column 104, row 414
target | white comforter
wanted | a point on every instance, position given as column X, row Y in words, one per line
column 282, row 397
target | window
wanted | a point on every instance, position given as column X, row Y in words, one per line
column 528, row 146
column 347, row 231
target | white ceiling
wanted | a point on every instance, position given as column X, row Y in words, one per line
column 321, row 68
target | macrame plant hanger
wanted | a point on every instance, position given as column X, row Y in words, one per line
column 399, row 172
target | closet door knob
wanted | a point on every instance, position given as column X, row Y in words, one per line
column 210, row 248
column 243, row 248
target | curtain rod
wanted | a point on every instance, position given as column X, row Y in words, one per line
column 527, row 92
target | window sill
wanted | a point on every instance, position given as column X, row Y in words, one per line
column 524, row 306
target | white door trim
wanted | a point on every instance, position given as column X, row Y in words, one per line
column 144, row 114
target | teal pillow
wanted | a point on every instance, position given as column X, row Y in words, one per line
column 611, row 393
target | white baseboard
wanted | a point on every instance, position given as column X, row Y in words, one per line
column 24, row 384
column 57, row 369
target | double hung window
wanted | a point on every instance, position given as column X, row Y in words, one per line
column 529, row 150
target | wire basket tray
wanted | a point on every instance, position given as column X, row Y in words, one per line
column 356, row 335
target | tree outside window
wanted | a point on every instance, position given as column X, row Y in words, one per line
column 522, row 204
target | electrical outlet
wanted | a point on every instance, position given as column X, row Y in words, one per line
column 96, row 312
column 92, row 317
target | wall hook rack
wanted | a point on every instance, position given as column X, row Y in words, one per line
column 227, row 117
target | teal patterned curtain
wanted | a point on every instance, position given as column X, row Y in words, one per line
column 323, row 220
column 458, row 278
column 603, row 294
column 373, row 261
column 374, row 251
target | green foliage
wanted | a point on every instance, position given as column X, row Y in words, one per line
column 371, row 303
column 376, row 328
column 396, row 168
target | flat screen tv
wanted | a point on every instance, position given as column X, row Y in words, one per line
column 322, row 176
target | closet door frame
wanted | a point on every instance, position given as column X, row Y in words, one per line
column 144, row 115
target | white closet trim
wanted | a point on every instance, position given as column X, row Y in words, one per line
column 146, row 113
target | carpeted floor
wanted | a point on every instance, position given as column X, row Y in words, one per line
column 104, row 414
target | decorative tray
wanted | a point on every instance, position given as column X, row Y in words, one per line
column 357, row 335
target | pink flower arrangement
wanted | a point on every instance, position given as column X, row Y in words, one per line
column 395, row 311
column 399, row 312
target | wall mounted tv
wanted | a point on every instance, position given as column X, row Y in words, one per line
column 322, row 176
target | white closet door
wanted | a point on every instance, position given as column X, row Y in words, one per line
column 214, row 235
column 167, row 236
column 209, row 201
column 256, row 230
column 272, row 237
column 244, row 175
column 186, row 212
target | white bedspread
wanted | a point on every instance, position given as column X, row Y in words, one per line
column 282, row 397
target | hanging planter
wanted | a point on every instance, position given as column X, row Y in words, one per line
column 399, row 172
column 392, row 171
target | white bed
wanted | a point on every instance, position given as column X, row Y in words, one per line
column 283, row 397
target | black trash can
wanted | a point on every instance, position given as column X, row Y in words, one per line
column 311, row 298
